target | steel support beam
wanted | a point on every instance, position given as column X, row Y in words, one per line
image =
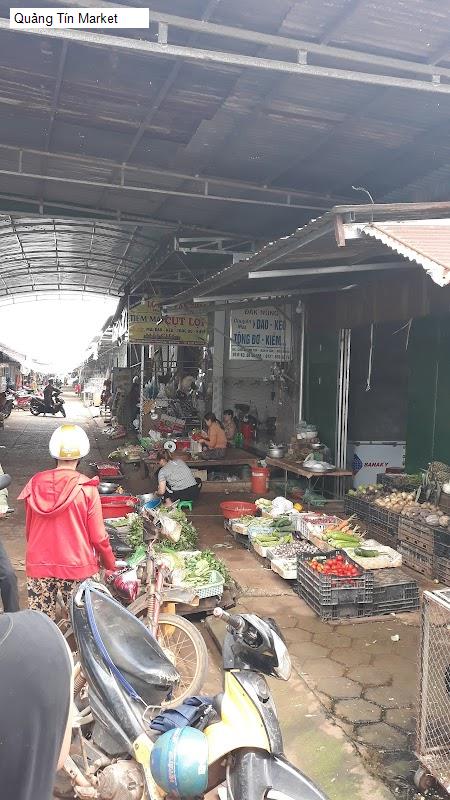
column 151, row 266
column 289, row 195
column 267, row 296
column 342, row 268
column 256, row 37
column 230, row 59
column 262, row 259
column 142, row 190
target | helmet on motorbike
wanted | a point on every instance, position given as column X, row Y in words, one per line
column 179, row 762
column 68, row 443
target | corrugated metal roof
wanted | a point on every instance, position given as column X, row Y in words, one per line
column 427, row 242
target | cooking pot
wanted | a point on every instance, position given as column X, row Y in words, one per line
column 276, row 451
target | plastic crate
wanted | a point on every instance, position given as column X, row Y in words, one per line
column 333, row 590
column 383, row 533
column 354, row 505
column 396, row 481
column 331, row 613
column 442, row 543
column 442, row 570
column 392, row 586
column 396, row 606
column 377, row 514
column 417, row 560
column 314, row 522
column 417, row 535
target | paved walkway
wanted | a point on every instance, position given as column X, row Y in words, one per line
column 348, row 711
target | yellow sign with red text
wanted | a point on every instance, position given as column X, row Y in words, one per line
column 147, row 324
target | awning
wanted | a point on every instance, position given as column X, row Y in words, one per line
column 425, row 241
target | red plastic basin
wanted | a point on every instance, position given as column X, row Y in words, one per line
column 118, row 506
column 233, row 510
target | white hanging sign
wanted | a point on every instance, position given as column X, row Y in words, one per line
column 260, row 334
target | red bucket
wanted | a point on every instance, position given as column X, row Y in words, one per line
column 233, row 510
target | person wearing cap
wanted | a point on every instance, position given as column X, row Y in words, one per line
column 66, row 535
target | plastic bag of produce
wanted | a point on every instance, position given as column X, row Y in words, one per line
column 281, row 506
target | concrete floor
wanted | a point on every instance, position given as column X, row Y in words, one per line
column 348, row 711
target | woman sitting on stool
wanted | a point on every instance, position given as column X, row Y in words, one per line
column 175, row 480
column 215, row 440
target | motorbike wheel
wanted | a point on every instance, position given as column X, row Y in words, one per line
column 63, row 411
column 35, row 410
column 186, row 649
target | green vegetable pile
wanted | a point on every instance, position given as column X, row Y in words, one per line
column 203, row 569
column 136, row 531
column 189, row 536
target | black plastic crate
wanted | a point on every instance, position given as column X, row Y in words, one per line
column 355, row 505
column 335, row 612
column 383, row 533
column 442, row 570
column 441, row 543
column 396, row 606
column 383, row 516
column 417, row 560
column 396, row 481
column 331, row 590
column 392, row 586
column 416, row 535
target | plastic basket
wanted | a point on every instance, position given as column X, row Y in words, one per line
column 393, row 585
column 213, row 590
column 331, row 589
column 417, row 560
column 442, row 544
column 315, row 523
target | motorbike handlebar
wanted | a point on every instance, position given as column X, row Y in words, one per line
column 232, row 620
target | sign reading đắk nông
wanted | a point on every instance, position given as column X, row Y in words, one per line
column 260, row 334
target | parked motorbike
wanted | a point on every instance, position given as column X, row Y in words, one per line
column 22, row 399
column 246, row 746
column 145, row 586
column 123, row 675
column 8, row 405
column 38, row 406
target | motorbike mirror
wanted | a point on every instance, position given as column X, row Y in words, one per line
column 5, row 480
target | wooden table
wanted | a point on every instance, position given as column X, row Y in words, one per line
column 298, row 469
column 235, row 457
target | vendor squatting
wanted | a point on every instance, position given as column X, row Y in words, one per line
column 82, row 18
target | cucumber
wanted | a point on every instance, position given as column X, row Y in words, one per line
column 366, row 553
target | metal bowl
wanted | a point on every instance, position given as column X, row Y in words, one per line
column 318, row 466
column 276, row 452
column 107, row 488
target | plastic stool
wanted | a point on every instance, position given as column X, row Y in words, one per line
column 185, row 504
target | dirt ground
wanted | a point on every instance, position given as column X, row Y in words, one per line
column 348, row 712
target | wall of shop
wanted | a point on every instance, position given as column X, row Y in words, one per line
column 321, row 371
column 428, row 415
column 379, row 413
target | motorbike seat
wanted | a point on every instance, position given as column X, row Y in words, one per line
column 133, row 649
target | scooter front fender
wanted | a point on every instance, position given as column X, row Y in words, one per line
column 254, row 773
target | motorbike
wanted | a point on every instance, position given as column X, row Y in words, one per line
column 22, row 399
column 123, row 675
column 8, row 405
column 127, row 676
column 39, row 406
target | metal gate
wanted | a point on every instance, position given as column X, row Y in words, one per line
column 433, row 735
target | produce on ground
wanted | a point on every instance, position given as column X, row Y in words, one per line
column 290, row 549
column 338, row 566
column 312, row 498
column 427, row 513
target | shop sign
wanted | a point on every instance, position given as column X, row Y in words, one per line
column 147, row 325
column 260, row 334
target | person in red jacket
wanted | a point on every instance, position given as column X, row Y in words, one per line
column 66, row 535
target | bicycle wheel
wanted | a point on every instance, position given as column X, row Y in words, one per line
column 184, row 646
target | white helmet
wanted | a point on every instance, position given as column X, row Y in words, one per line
column 68, row 443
